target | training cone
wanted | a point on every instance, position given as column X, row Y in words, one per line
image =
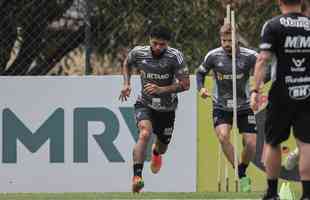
column 285, row 192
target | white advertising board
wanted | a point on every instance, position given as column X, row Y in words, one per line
column 72, row 134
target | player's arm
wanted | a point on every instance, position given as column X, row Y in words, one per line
column 201, row 73
column 267, row 76
column 268, row 42
column 259, row 77
column 200, row 80
column 182, row 84
column 126, row 71
column 260, row 69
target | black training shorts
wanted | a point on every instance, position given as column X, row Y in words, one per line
column 162, row 122
column 245, row 119
column 281, row 117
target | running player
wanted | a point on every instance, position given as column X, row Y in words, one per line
column 163, row 75
column 219, row 61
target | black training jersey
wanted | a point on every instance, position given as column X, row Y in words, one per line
column 288, row 38
column 162, row 71
column 220, row 63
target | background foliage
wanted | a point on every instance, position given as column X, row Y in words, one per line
column 63, row 37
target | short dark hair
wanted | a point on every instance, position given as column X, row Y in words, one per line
column 291, row 2
column 161, row 32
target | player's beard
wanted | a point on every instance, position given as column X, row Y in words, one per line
column 159, row 52
column 228, row 50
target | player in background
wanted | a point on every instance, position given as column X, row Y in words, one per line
column 219, row 60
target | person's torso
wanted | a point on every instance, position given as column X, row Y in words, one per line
column 159, row 71
column 223, row 76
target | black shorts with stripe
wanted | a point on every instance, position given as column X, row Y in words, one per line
column 245, row 119
column 162, row 122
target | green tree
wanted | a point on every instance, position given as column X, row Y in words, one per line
column 46, row 35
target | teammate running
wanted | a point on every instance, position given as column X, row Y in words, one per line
column 163, row 75
column 219, row 61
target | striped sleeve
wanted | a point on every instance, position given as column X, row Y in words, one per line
column 181, row 69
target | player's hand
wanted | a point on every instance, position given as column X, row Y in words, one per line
column 204, row 93
column 254, row 101
column 151, row 88
column 125, row 93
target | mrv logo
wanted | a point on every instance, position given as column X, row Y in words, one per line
column 53, row 130
column 297, row 42
column 299, row 92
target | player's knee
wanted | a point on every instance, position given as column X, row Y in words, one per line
column 145, row 134
column 251, row 144
column 223, row 138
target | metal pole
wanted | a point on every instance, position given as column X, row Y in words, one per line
column 233, row 26
column 88, row 42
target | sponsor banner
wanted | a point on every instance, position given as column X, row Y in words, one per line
column 72, row 134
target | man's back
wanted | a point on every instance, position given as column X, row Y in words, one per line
column 288, row 37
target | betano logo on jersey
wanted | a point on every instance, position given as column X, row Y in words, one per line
column 221, row 76
column 297, row 42
column 300, row 22
column 154, row 76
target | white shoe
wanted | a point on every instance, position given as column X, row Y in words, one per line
column 292, row 160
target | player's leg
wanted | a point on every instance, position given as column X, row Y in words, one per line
column 304, row 167
column 278, row 123
column 302, row 135
column 223, row 123
column 158, row 148
column 272, row 166
column 223, row 134
column 292, row 159
column 247, row 127
column 249, row 147
column 143, row 117
column 163, row 128
column 247, row 154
